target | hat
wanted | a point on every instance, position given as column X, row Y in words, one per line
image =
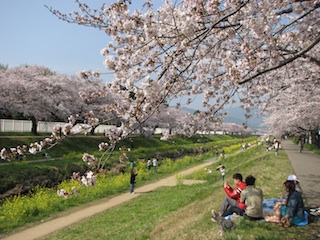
column 293, row 178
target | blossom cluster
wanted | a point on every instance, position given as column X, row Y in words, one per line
column 88, row 179
column 103, row 146
column 89, row 159
column 12, row 153
column 65, row 194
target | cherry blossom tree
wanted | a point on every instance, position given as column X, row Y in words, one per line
column 208, row 47
column 296, row 108
column 37, row 93
column 172, row 121
column 98, row 102
column 233, row 128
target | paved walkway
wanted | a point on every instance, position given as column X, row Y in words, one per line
column 306, row 167
column 51, row 226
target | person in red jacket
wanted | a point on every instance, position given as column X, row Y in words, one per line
column 231, row 203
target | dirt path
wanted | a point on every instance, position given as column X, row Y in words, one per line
column 48, row 227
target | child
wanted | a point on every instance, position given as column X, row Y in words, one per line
column 222, row 171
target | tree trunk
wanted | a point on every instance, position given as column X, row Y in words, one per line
column 92, row 130
column 315, row 136
column 34, row 125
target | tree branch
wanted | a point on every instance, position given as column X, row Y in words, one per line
column 283, row 63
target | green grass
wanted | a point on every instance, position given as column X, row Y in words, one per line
column 183, row 212
column 21, row 210
column 312, row 148
column 89, row 144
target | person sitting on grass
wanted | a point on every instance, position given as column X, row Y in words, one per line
column 292, row 210
column 296, row 182
column 252, row 197
column 231, row 203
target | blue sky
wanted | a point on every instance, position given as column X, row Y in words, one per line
column 31, row 34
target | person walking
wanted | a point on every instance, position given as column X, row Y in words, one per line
column 301, row 143
column 277, row 146
column 223, row 154
column 133, row 175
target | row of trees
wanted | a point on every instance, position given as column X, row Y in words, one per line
column 39, row 94
column 296, row 108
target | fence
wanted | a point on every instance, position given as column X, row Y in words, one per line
column 9, row 125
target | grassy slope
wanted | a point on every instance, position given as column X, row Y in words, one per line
column 21, row 169
column 69, row 154
column 80, row 144
column 183, row 212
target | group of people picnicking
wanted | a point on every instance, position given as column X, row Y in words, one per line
column 246, row 200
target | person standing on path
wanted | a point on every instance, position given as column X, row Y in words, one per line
column 133, row 175
column 277, row 146
column 301, row 143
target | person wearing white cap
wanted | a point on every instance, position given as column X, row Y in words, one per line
column 291, row 211
column 296, row 182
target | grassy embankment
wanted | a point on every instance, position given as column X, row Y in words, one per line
column 183, row 212
column 67, row 156
column 44, row 202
